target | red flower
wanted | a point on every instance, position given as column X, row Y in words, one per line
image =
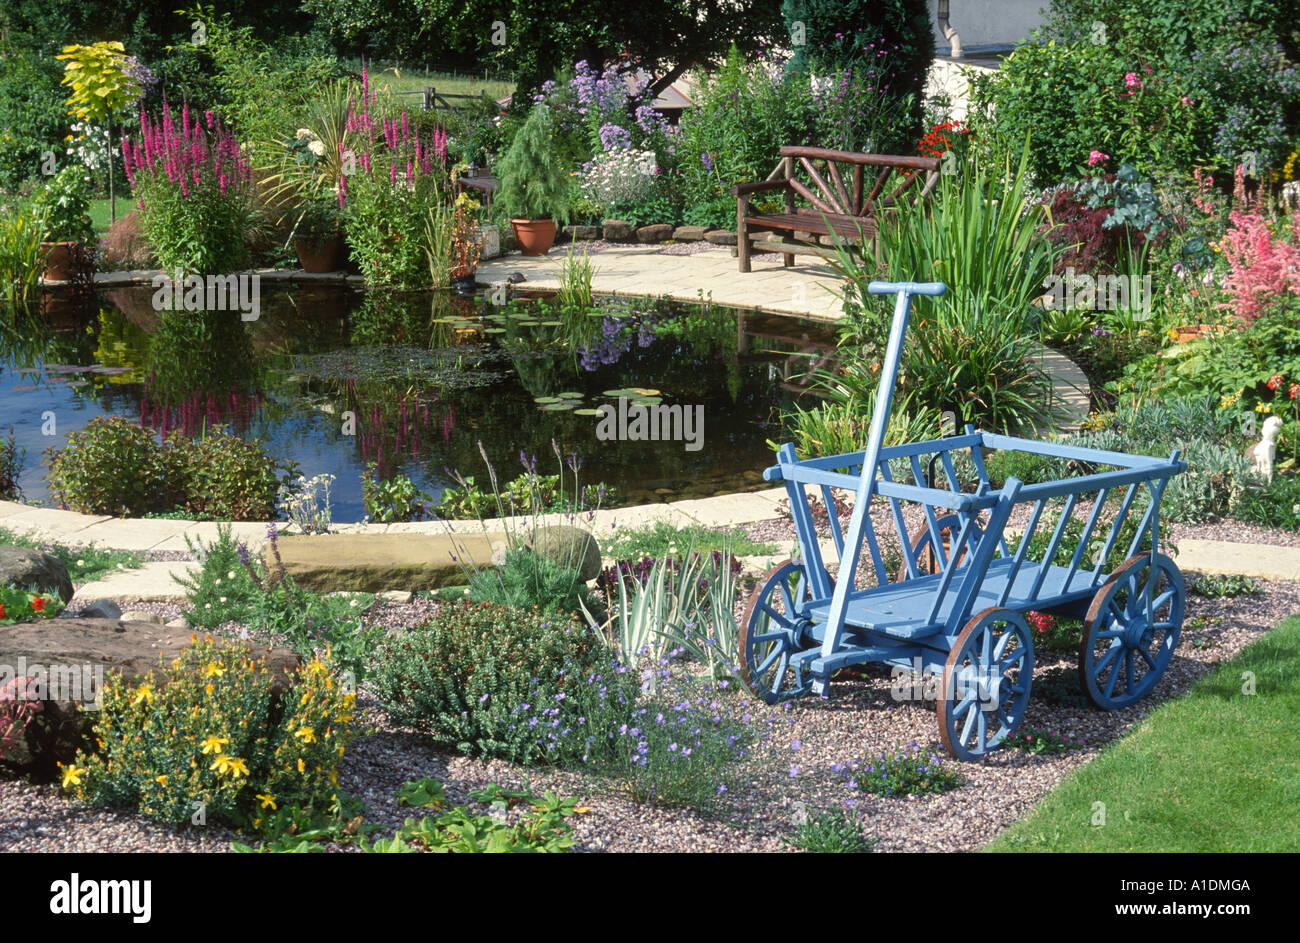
column 38, row 604
column 1295, row 390
column 1275, row 381
column 2, row 611
column 1041, row 621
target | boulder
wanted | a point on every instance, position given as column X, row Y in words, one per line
column 583, row 233
column 689, row 233
column 68, row 659
column 101, row 609
column 721, row 237
column 140, row 615
column 373, row 563
column 569, row 546
column 655, row 232
column 24, row 568
column 618, row 230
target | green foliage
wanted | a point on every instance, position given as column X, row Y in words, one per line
column 97, row 75
column 64, row 205
column 22, row 260
column 11, row 467
column 1224, row 586
column 222, row 476
column 1049, row 743
column 1275, row 505
column 84, row 564
column 835, row 831
column 210, row 730
column 543, row 828
column 27, row 605
column 1059, row 686
column 33, row 118
column 902, row 772
column 848, row 34
column 231, row 585
column 1029, row 467
column 526, row 579
column 389, row 500
column 535, row 182
column 386, row 228
column 114, row 466
column 463, row 676
column 662, row 539
column 970, row 351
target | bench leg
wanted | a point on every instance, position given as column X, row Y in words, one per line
column 789, row 256
column 742, row 237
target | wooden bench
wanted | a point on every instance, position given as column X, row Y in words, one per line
column 848, row 211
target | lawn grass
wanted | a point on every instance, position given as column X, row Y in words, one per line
column 1214, row 770
column 101, row 212
column 84, row 563
column 656, row 540
column 453, row 83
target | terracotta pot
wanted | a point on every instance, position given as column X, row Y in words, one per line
column 534, row 236
column 59, row 265
column 324, row 257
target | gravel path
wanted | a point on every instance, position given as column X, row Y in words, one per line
column 789, row 769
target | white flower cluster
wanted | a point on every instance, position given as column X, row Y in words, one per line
column 623, row 175
column 89, row 145
column 308, row 504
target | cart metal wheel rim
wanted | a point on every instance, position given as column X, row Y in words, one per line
column 1131, row 631
column 949, row 526
column 772, row 631
column 986, row 682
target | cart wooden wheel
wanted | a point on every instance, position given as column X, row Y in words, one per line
column 949, row 526
column 772, row 630
column 986, row 683
column 1131, row 631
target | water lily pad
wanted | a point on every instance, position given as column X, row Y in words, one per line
column 546, row 399
column 570, row 394
column 557, row 407
column 628, row 393
column 586, row 412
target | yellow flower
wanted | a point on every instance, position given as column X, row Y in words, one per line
column 71, row 775
column 162, row 780
column 1263, row 408
column 302, row 767
column 208, row 689
column 233, row 765
column 213, row 744
column 268, row 801
column 306, row 735
column 213, row 669
column 144, row 692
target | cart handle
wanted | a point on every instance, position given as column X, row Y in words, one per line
column 907, row 288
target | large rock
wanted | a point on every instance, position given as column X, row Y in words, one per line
column 67, row 660
column 24, row 568
column 568, row 546
column 618, row 230
column 373, row 563
column 721, row 237
column 655, row 232
column 583, row 233
column 689, row 233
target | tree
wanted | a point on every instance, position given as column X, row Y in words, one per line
column 101, row 90
column 534, row 39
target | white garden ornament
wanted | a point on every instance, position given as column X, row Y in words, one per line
column 1265, row 451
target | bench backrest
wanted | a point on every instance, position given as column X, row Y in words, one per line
column 835, row 195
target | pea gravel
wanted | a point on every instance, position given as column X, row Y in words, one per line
column 787, row 775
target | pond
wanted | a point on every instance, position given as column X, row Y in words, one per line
column 333, row 379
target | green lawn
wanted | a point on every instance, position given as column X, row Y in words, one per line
column 1215, row 770
column 100, row 212
column 413, row 80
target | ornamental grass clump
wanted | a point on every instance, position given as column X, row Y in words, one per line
column 209, row 739
column 194, row 187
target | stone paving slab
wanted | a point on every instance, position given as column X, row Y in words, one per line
column 728, row 510
column 151, row 582
column 1255, row 560
column 252, row 533
column 52, row 523
column 132, row 533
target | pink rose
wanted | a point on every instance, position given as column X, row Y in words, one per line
column 1097, row 157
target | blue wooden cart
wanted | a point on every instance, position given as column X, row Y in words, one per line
column 955, row 610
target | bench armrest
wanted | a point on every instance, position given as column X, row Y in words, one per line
column 742, row 188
